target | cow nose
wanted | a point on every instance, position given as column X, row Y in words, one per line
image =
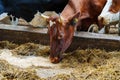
column 55, row 60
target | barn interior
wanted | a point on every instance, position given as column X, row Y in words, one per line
column 25, row 47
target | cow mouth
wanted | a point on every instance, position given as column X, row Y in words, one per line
column 55, row 59
column 56, row 56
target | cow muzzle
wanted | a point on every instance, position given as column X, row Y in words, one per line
column 55, row 59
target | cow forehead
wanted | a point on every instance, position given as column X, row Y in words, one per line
column 58, row 21
column 52, row 23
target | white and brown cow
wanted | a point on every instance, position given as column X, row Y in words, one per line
column 106, row 18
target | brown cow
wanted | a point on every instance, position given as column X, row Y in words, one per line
column 61, row 29
column 115, row 7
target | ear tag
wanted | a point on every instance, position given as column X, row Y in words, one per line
column 74, row 21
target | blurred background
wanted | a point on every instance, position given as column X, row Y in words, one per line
column 27, row 8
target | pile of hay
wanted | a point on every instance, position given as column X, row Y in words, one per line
column 28, row 49
column 7, row 45
column 9, row 72
column 91, row 56
column 94, row 64
column 89, row 64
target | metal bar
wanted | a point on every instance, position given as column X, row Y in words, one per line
column 82, row 40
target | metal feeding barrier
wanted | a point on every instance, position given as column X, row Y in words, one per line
column 24, row 34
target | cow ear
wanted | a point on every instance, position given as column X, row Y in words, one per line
column 76, row 15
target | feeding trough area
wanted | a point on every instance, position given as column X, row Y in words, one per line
column 28, row 50
column 83, row 40
column 24, row 54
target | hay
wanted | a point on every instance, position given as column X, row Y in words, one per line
column 94, row 64
column 89, row 64
column 9, row 72
column 92, row 56
column 32, row 49
column 62, row 77
column 7, row 45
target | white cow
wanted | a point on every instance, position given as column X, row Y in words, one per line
column 107, row 18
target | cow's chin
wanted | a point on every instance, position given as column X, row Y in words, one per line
column 56, row 59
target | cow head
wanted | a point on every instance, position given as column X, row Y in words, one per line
column 61, row 33
column 115, row 7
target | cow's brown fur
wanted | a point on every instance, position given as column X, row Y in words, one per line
column 61, row 33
